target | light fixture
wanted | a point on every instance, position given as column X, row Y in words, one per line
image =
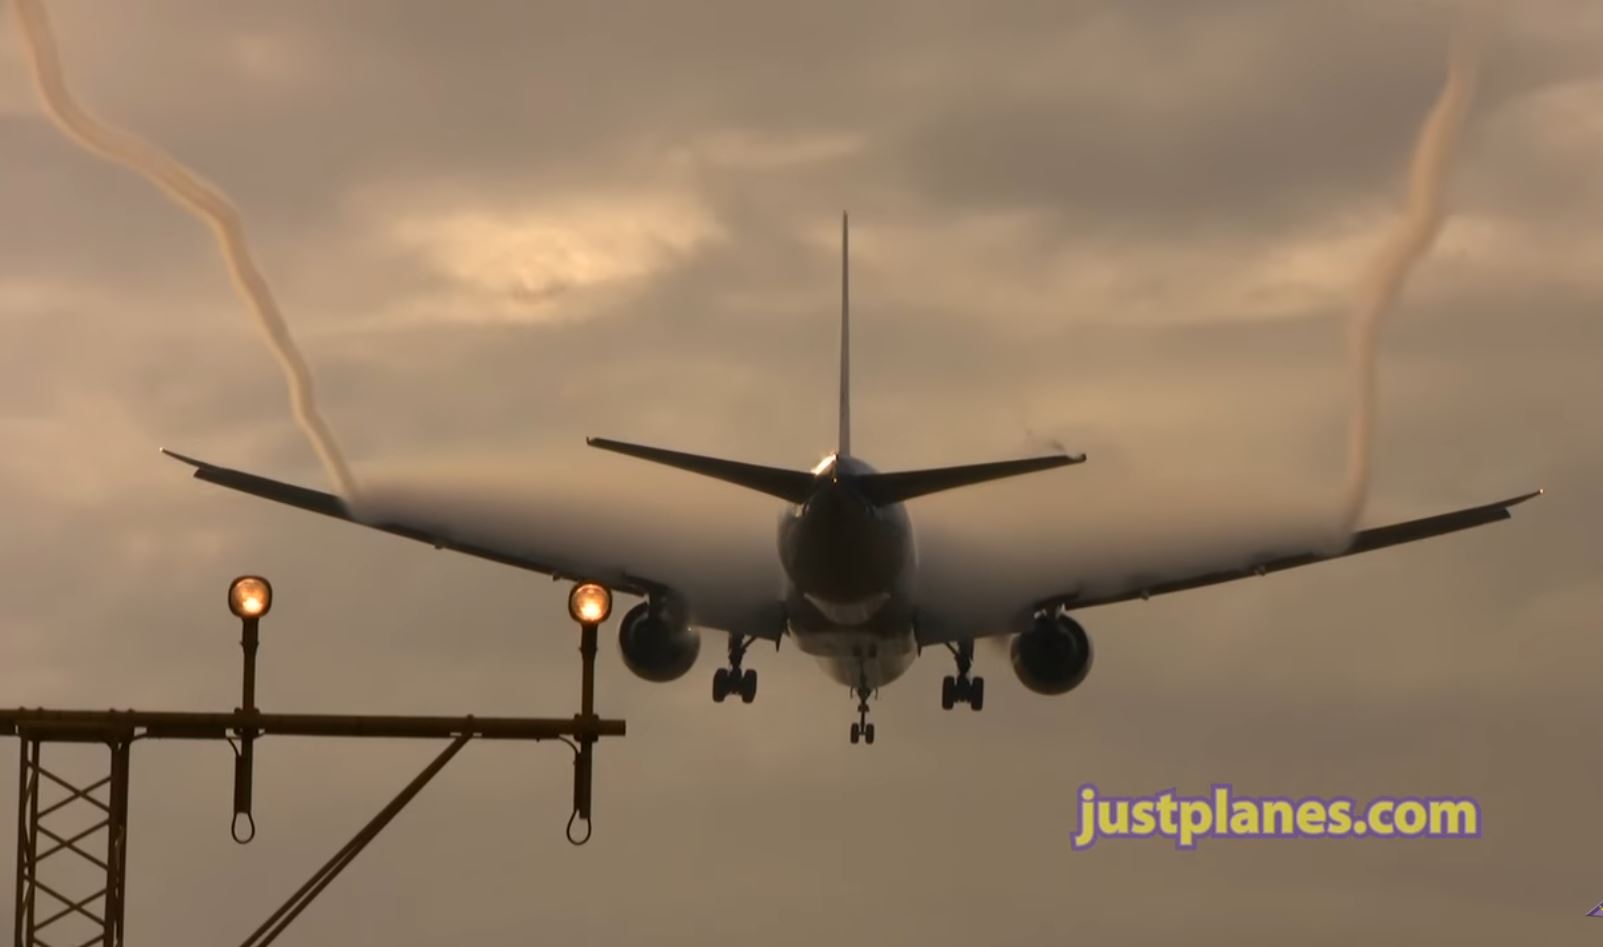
column 250, row 596
column 589, row 603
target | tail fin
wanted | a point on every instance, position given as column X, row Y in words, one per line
column 844, row 449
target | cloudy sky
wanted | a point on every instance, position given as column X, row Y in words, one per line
column 1133, row 227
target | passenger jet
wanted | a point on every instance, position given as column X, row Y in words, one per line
column 850, row 594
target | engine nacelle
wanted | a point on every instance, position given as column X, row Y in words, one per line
column 654, row 648
column 1054, row 656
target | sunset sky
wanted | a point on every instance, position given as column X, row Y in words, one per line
column 1136, row 229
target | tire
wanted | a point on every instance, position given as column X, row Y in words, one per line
column 976, row 694
column 948, row 692
column 857, row 733
column 868, row 734
column 720, row 685
column 748, row 686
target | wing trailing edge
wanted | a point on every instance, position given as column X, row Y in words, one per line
column 333, row 506
column 1365, row 540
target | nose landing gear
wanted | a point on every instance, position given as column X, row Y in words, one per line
column 732, row 680
column 962, row 689
column 862, row 729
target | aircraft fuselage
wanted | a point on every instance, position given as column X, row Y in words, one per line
column 850, row 567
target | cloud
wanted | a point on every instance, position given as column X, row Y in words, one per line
column 526, row 263
column 1124, row 226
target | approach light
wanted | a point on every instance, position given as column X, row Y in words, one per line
column 590, row 603
column 250, row 596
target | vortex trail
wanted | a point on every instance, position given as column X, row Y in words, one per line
column 1414, row 234
column 201, row 199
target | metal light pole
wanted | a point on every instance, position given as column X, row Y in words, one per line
column 249, row 598
column 589, row 604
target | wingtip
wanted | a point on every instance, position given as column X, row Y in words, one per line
column 1061, row 459
column 181, row 458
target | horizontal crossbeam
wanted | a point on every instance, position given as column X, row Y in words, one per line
column 100, row 726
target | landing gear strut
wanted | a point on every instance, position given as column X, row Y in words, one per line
column 732, row 680
column 962, row 689
column 862, row 729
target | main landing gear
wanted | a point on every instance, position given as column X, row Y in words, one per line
column 963, row 689
column 732, row 680
column 862, row 729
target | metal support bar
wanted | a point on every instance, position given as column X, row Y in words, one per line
column 101, row 726
column 26, row 784
column 587, row 672
column 117, row 844
column 245, row 753
column 291, row 909
column 583, row 759
column 33, row 820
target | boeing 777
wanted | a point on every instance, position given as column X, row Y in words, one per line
column 850, row 568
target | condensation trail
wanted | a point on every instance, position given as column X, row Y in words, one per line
column 1410, row 240
column 200, row 198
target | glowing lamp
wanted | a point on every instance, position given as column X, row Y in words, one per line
column 250, row 596
column 589, row 603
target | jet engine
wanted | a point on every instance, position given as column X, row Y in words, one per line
column 1054, row 656
column 654, row 647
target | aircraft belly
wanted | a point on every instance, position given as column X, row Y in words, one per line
column 859, row 656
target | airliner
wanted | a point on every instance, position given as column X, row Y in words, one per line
column 846, row 550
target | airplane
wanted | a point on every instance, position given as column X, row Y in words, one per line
column 850, row 567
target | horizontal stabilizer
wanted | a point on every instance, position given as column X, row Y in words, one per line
column 883, row 489
column 790, row 485
column 795, row 486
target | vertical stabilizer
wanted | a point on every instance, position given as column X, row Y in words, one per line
column 844, row 449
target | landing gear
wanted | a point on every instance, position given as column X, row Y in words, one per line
column 732, row 680
column 727, row 681
column 962, row 689
column 862, row 729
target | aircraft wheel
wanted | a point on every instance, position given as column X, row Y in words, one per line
column 976, row 694
column 748, row 686
column 857, row 733
column 868, row 734
column 720, row 685
column 948, row 692
column 961, row 690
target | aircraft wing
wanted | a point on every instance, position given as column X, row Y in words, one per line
column 989, row 615
column 720, row 596
column 1363, row 541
